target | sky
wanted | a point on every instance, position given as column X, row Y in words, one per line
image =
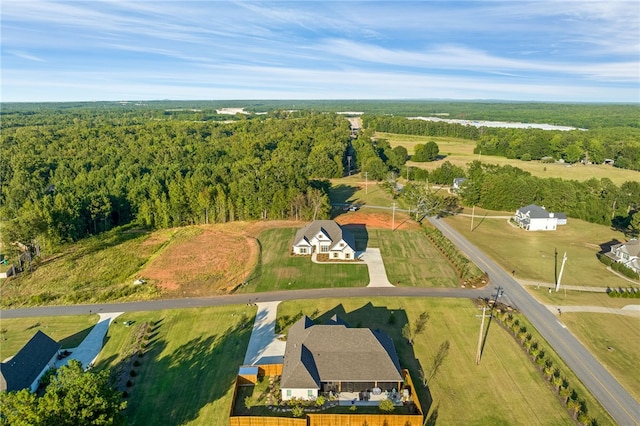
column 560, row 51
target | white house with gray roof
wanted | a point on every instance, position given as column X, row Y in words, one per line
column 627, row 253
column 325, row 237
column 336, row 358
column 536, row 218
column 25, row 369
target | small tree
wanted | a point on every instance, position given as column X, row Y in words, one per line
column 297, row 411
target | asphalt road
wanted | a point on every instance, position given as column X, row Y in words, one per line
column 196, row 302
column 624, row 409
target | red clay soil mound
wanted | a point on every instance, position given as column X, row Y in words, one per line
column 377, row 220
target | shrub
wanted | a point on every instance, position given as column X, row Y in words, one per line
column 129, row 383
column 320, row 401
column 133, row 373
column 297, row 411
column 136, row 363
column 386, row 405
column 249, row 402
column 125, row 394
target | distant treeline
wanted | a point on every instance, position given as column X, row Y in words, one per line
column 620, row 144
column 582, row 115
column 61, row 182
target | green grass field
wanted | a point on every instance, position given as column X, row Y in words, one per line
column 279, row 270
column 497, row 392
column 411, row 260
column 614, row 340
column 460, row 152
column 69, row 331
column 531, row 254
column 188, row 373
column 356, row 190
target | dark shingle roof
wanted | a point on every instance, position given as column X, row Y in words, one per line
column 322, row 353
column 334, row 231
column 21, row 370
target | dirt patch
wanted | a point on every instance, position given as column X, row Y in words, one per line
column 377, row 220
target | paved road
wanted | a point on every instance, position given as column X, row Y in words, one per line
column 273, row 296
column 616, row 400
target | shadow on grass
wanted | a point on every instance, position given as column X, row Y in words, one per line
column 341, row 194
column 75, row 339
column 173, row 388
column 360, row 234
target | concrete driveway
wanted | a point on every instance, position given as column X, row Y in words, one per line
column 264, row 345
column 377, row 272
column 88, row 350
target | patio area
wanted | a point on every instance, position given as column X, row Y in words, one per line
column 372, row 398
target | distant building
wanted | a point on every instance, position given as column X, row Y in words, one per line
column 26, row 368
column 457, row 184
column 536, row 218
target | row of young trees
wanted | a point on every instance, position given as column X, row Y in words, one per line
column 621, row 144
column 63, row 182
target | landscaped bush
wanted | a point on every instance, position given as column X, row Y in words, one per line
column 619, row 267
column 386, row 405
column 129, row 383
column 133, row 373
column 297, row 411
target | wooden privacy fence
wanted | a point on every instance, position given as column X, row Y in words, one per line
column 269, row 370
column 267, row 421
column 364, row 419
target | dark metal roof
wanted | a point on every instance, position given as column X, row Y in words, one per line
column 23, row 369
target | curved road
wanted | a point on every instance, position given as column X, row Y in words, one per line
column 614, row 398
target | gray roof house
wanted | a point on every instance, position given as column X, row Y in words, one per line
column 336, row 358
column 536, row 218
column 627, row 253
column 327, row 237
column 26, row 368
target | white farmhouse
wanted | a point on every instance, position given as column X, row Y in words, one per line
column 326, row 237
column 536, row 218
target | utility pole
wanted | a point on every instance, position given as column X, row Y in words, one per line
column 393, row 217
column 366, row 182
column 478, row 353
column 564, row 259
column 555, row 267
column 408, row 168
column 473, row 212
column 349, row 164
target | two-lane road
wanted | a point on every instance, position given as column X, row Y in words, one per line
column 614, row 398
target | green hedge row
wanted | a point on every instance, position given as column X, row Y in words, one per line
column 466, row 269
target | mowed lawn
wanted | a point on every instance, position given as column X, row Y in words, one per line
column 531, row 254
column 278, row 269
column 614, row 340
column 411, row 260
column 68, row 330
column 460, row 152
column 187, row 375
column 505, row 389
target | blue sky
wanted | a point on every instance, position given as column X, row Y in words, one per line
column 134, row 49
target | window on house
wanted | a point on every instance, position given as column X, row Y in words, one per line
column 310, row 393
column 303, row 250
column 324, row 249
column 347, row 256
column 289, row 392
column 335, row 255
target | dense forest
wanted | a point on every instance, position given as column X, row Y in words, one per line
column 620, row 144
column 72, row 170
column 61, row 182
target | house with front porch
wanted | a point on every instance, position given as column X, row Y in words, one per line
column 325, row 237
column 627, row 253
column 334, row 358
